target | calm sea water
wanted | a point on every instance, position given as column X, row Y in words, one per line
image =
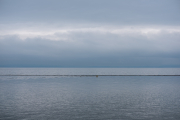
column 89, row 98
column 89, row 71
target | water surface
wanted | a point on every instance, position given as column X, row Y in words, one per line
column 88, row 98
column 89, row 71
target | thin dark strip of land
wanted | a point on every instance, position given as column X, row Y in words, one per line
column 90, row 75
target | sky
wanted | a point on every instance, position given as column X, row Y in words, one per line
column 90, row 33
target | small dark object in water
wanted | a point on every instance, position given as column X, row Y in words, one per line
column 96, row 75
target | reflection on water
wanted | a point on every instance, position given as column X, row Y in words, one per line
column 90, row 98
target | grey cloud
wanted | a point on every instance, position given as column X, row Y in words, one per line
column 92, row 50
column 89, row 33
column 92, row 11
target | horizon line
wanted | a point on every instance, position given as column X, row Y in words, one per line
column 89, row 75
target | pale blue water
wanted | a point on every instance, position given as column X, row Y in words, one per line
column 89, row 98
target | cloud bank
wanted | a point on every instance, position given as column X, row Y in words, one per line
column 114, row 45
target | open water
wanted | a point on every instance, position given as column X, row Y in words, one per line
column 29, row 94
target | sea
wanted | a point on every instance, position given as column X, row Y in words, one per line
column 89, row 93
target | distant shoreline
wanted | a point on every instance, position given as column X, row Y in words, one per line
column 90, row 75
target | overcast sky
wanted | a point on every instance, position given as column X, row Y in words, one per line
column 89, row 33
